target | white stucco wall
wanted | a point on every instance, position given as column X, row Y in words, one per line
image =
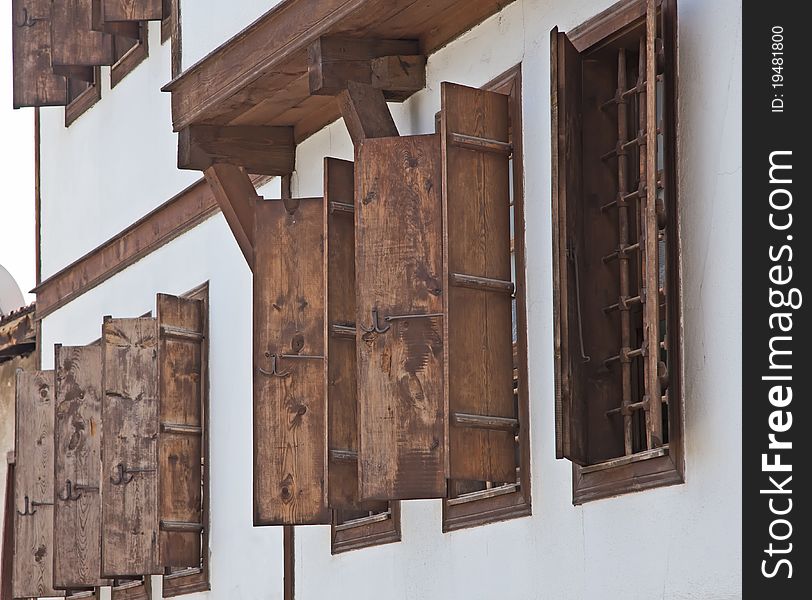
column 681, row 542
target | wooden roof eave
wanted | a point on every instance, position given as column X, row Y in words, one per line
column 260, row 76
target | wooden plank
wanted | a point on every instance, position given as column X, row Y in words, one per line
column 398, row 268
column 181, row 328
column 236, row 196
column 35, row 83
column 74, row 41
column 340, row 363
column 77, row 443
column 478, row 324
column 7, row 543
column 260, row 150
column 129, row 448
column 132, row 10
column 124, row 29
column 34, row 486
column 365, row 112
column 289, row 400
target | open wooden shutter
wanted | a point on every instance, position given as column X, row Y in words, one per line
column 77, row 443
column 570, row 410
column 478, row 286
column 129, row 448
column 181, row 379
column 75, row 43
column 340, row 363
column 290, row 419
column 132, row 10
column 35, row 83
column 126, row 29
column 398, row 270
column 34, row 486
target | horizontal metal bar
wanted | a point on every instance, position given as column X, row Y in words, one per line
column 481, row 283
column 626, row 460
column 183, row 573
column 508, row 488
column 181, row 429
column 167, row 331
column 377, row 518
column 342, row 207
column 302, row 356
column 627, row 410
column 342, row 331
column 181, row 526
column 631, row 301
column 628, row 355
column 621, row 251
column 480, row 144
column 621, row 97
column 423, row 316
column 484, row 422
column 339, row 455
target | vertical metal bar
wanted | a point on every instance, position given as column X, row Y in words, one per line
column 651, row 267
column 623, row 257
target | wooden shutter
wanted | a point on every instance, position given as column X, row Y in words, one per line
column 398, row 272
column 181, row 379
column 75, row 43
column 290, row 420
column 570, row 410
column 129, row 448
column 340, row 363
column 132, row 10
column 126, row 29
column 477, row 283
column 35, row 83
column 77, row 443
column 34, row 486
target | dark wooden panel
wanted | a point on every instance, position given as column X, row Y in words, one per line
column 129, row 444
column 120, row 29
column 34, row 486
column 132, row 10
column 290, row 420
column 35, row 83
column 180, row 443
column 77, row 443
column 398, row 272
column 365, row 112
column 74, row 41
column 261, row 150
column 478, row 303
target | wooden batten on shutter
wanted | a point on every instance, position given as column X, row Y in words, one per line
column 77, row 446
column 478, row 284
column 132, row 10
column 34, row 486
column 181, row 331
column 339, row 335
column 129, row 448
column 75, row 43
column 290, row 418
column 570, row 410
column 35, row 83
column 399, row 295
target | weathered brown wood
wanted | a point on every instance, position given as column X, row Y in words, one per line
column 237, row 198
column 289, row 397
column 393, row 66
column 132, row 10
column 74, row 41
column 130, row 536
column 130, row 52
column 260, row 150
column 17, row 333
column 77, row 444
column 365, row 112
column 604, row 24
column 478, row 324
column 123, row 29
column 7, row 542
column 340, row 363
column 82, row 94
column 181, row 328
column 398, row 271
column 35, row 83
column 34, row 486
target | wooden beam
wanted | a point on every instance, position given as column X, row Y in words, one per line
column 394, row 66
column 260, row 150
column 235, row 193
column 365, row 112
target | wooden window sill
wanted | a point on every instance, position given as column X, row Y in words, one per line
column 366, row 532
column 186, row 582
column 488, row 506
column 593, row 483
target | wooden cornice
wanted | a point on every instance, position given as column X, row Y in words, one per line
column 260, row 76
column 17, row 333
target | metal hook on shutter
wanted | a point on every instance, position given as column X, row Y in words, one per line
column 28, row 20
column 27, row 512
column 274, row 372
column 573, row 256
column 376, row 324
column 71, row 492
column 124, row 475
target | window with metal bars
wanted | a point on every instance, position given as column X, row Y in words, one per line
column 617, row 342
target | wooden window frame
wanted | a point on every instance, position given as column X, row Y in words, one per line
column 638, row 472
column 171, row 30
column 132, row 58
column 366, row 532
column 510, row 501
column 133, row 590
column 79, row 105
column 197, row 579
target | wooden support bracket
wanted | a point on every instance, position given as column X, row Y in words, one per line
column 365, row 112
column 260, row 150
column 236, row 196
